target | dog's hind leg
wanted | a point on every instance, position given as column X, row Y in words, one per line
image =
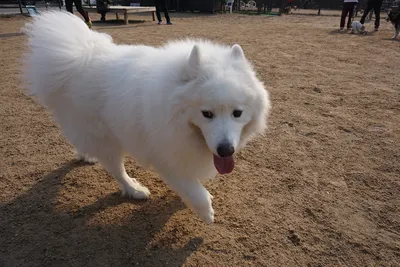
column 101, row 145
column 113, row 161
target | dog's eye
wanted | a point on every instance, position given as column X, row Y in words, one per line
column 237, row 113
column 208, row 114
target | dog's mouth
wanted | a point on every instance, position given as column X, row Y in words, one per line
column 224, row 165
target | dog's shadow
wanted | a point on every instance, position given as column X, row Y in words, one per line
column 390, row 39
column 337, row 31
column 34, row 233
column 348, row 32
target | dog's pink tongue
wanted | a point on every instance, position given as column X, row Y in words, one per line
column 224, row 165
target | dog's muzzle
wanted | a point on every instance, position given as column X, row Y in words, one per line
column 225, row 149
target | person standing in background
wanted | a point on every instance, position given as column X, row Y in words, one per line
column 348, row 9
column 78, row 6
column 161, row 4
column 376, row 5
column 103, row 7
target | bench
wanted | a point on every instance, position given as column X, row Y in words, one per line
column 11, row 4
column 124, row 10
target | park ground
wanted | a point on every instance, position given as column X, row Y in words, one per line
column 320, row 188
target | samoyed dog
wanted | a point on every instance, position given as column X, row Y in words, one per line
column 183, row 109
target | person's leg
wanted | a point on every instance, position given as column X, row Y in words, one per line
column 366, row 11
column 351, row 12
column 68, row 6
column 158, row 14
column 163, row 5
column 345, row 10
column 103, row 16
column 377, row 10
column 78, row 6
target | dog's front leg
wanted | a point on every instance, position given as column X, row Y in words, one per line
column 195, row 196
column 396, row 31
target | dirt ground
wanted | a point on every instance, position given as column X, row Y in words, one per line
column 321, row 188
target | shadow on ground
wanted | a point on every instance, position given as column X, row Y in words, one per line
column 11, row 34
column 30, row 227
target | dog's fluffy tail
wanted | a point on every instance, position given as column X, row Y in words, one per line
column 60, row 46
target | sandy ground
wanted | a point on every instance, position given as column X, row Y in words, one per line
column 321, row 188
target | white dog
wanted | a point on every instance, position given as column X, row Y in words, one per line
column 357, row 28
column 183, row 109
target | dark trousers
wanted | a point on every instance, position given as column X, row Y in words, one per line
column 348, row 8
column 78, row 5
column 376, row 6
column 161, row 4
column 268, row 5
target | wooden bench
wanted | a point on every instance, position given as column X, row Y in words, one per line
column 125, row 10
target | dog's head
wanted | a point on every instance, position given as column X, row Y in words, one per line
column 224, row 102
column 393, row 15
column 390, row 16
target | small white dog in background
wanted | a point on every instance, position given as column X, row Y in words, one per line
column 183, row 109
column 357, row 28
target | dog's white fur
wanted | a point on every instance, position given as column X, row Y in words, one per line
column 111, row 100
column 357, row 28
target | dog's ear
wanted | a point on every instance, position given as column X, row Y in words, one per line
column 193, row 66
column 237, row 52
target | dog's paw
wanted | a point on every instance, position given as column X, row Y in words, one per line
column 136, row 191
column 204, row 209
column 206, row 214
column 90, row 160
column 86, row 159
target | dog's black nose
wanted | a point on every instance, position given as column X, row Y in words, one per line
column 225, row 150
